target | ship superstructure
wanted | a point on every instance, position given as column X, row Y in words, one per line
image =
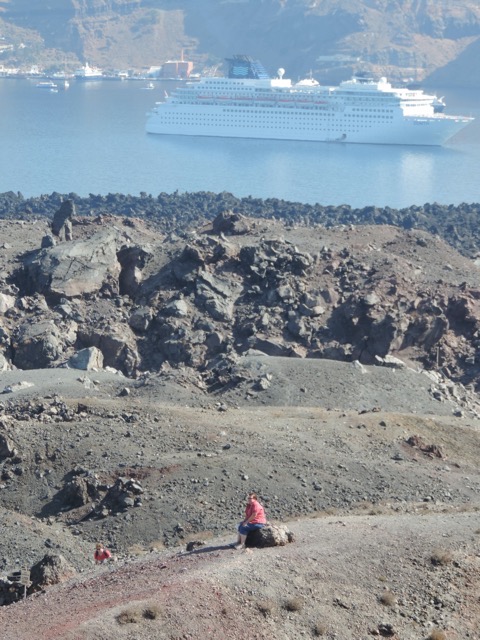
column 251, row 104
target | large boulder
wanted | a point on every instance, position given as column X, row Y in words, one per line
column 6, row 302
column 215, row 296
column 140, row 318
column 229, row 222
column 271, row 535
column 51, row 569
column 133, row 260
column 76, row 268
column 124, row 494
column 36, row 346
column 7, row 446
column 5, row 364
column 187, row 265
column 82, row 489
column 117, row 343
column 89, row 359
column 62, row 220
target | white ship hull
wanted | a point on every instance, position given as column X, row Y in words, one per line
column 357, row 111
column 268, row 125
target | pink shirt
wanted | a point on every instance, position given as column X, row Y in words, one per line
column 255, row 508
column 102, row 554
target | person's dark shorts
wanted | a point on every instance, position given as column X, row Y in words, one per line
column 245, row 529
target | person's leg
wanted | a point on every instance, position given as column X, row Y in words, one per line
column 235, row 544
column 242, row 536
column 243, row 533
column 241, row 542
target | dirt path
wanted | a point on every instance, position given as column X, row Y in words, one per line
column 330, row 579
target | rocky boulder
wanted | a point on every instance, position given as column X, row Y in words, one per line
column 76, row 268
column 7, row 447
column 125, row 493
column 215, row 296
column 116, row 342
column 272, row 535
column 6, row 302
column 231, row 223
column 5, row 364
column 80, row 490
column 140, row 318
column 133, row 260
column 52, row 569
column 37, row 346
column 87, row 359
column 62, row 220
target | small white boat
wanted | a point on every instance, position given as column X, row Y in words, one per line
column 61, row 78
column 47, row 84
column 148, row 87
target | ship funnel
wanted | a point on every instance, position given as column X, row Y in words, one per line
column 281, row 73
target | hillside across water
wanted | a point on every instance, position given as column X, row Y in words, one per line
column 402, row 40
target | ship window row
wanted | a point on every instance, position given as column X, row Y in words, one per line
column 280, row 116
column 374, row 103
column 342, row 128
column 288, row 123
column 369, row 116
column 376, row 110
column 289, row 114
column 212, row 102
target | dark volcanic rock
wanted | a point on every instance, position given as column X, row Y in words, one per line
column 37, row 345
column 272, row 535
column 52, row 569
column 75, row 268
column 455, row 224
column 62, row 221
column 143, row 299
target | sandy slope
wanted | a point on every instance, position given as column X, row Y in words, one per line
column 387, row 509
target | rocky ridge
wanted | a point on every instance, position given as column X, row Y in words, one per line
column 114, row 292
column 180, row 212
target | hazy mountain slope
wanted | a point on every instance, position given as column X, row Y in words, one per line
column 463, row 71
column 395, row 38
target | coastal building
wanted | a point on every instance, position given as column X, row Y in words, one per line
column 176, row 69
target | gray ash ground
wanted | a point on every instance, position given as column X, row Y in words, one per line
column 374, row 468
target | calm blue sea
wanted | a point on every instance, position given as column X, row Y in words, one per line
column 91, row 139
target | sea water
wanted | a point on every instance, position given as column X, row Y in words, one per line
column 90, row 138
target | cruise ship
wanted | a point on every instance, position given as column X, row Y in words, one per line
column 248, row 103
